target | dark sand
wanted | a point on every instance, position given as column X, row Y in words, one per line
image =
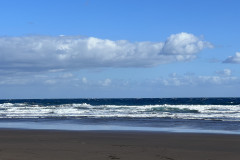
column 65, row 145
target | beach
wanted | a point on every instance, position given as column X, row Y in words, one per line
column 125, row 129
column 125, row 145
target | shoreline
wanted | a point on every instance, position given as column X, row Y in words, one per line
column 124, row 131
column 19, row 144
column 202, row 127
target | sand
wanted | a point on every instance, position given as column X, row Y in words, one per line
column 106, row 145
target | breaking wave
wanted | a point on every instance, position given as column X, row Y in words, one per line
column 75, row 110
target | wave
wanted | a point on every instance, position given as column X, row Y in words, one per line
column 75, row 110
column 172, row 110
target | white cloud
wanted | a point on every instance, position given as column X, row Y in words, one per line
column 50, row 81
column 225, row 72
column 84, row 80
column 13, row 81
column 67, row 75
column 60, row 53
column 184, row 44
column 193, row 80
column 106, row 82
column 233, row 59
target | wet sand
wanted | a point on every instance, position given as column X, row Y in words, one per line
column 106, row 145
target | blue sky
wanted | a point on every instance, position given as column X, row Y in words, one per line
column 120, row 48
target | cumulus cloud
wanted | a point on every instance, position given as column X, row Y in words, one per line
column 184, row 44
column 225, row 72
column 106, row 82
column 60, row 53
column 233, row 59
column 197, row 80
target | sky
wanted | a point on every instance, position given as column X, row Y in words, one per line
column 119, row 49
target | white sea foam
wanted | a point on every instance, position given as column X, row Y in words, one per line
column 211, row 112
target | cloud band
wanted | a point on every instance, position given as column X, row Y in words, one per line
column 48, row 53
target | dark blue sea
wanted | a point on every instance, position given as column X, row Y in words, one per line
column 197, row 115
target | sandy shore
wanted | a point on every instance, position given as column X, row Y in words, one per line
column 65, row 145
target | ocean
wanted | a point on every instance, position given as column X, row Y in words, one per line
column 198, row 115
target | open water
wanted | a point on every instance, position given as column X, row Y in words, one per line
column 202, row 115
